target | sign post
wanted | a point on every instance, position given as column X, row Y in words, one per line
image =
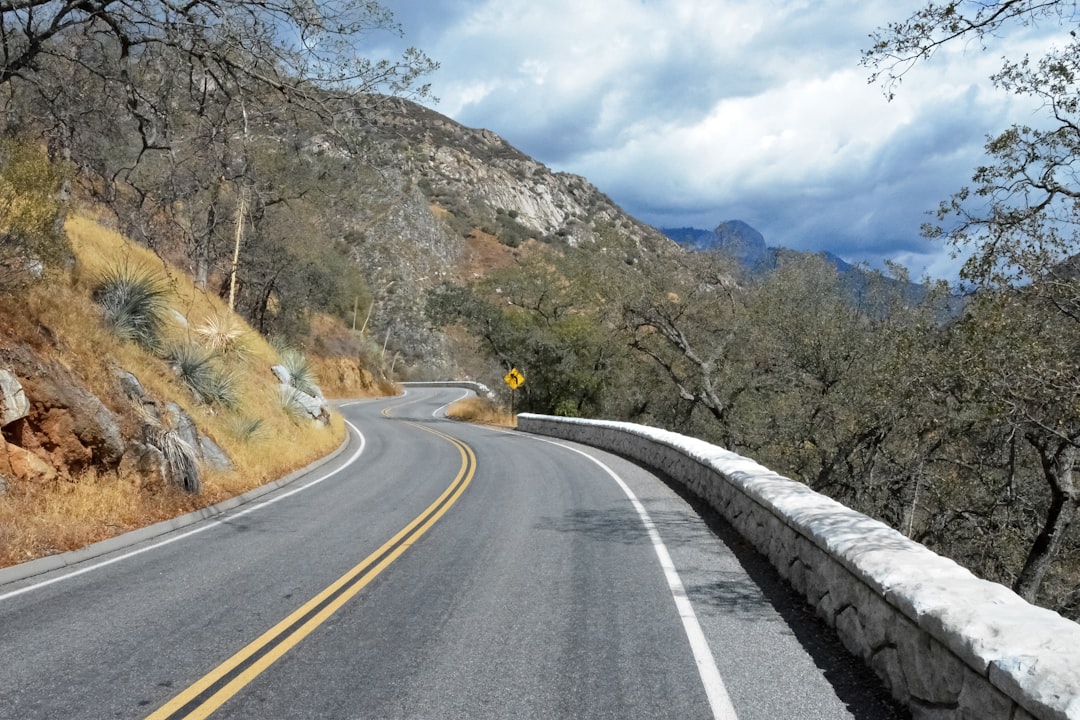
column 514, row 379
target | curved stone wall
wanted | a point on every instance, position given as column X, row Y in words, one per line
column 946, row 643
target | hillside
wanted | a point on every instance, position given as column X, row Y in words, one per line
column 444, row 202
column 90, row 414
column 105, row 431
column 403, row 245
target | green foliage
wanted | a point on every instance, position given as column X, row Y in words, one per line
column 246, row 429
column 30, row 212
column 134, row 302
column 199, row 369
column 293, row 262
column 1017, row 227
column 531, row 318
column 301, row 373
column 509, row 231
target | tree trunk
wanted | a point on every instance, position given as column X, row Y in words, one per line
column 1058, row 472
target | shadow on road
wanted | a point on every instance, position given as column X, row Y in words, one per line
column 757, row 593
column 856, row 684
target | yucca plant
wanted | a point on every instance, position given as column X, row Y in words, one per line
column 181, row 462
column 197, row 367
column 245, row 429
column 292, row 403
column 224, row 335
column 300, row 371
column 134, row 301
column 180, row 456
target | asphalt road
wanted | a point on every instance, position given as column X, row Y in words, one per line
column 432, row 570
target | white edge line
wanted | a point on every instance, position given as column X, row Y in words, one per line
column 715, row 690
column 201, row 528
column 442, row 411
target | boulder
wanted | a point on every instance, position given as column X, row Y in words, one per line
column 13, row 402
column 317, row 408
column 282, row 374
column 66, row 422
column 213, row 456
column 146, row 462
column 26, row 465
column 208, row 452
column 182, row 424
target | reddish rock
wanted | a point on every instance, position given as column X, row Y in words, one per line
column 66, row 423
column 25, row 465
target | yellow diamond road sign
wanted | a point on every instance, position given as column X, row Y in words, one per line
column 514, row 379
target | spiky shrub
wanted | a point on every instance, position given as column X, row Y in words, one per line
column 293, row 404
column 245, row 428
column 224, row 335
column 198, row 369
column 134, row 301
column 301, row 372
column 181, row 464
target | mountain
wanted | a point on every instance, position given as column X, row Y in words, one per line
column 744, row 243
column 447, row 202
column 733, row 237
column 741, row 241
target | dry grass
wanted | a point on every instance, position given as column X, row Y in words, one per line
column 481, row 410
column 38, row 519
column 341, row 377
column 60, row 318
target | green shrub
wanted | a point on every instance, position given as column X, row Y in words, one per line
column 134, row 302
column 300, row 371
column 292, row 403
column 31, row 213
column 245, row 429
column 209, row 382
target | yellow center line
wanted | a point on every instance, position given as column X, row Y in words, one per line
column 243, row 667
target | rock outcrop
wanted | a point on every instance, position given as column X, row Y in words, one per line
column 169, row 448
column 302, row 398
column 66, row 426
column 13, row 403
column 434, row 187
column 54, row 428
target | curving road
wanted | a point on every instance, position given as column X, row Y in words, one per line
column 432, row 570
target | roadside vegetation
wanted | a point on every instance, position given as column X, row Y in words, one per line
column 228, row 391
column 952, row 416
column 481, row 410
column 203, row 137
column 919, row 413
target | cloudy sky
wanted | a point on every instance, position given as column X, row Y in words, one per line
column 692, row 112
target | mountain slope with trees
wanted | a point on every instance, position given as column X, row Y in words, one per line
column 333, row 214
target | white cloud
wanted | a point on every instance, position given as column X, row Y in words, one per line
column 690, row 111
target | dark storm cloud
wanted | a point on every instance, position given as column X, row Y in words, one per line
column 692, row 112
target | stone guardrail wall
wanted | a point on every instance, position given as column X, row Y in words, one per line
column 947, row 644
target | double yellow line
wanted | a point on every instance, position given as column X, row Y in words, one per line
column 214, row 689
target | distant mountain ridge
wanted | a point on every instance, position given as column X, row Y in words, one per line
column 743, row 242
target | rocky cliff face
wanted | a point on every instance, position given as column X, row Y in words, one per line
column 437, row 189
column 478, row 176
